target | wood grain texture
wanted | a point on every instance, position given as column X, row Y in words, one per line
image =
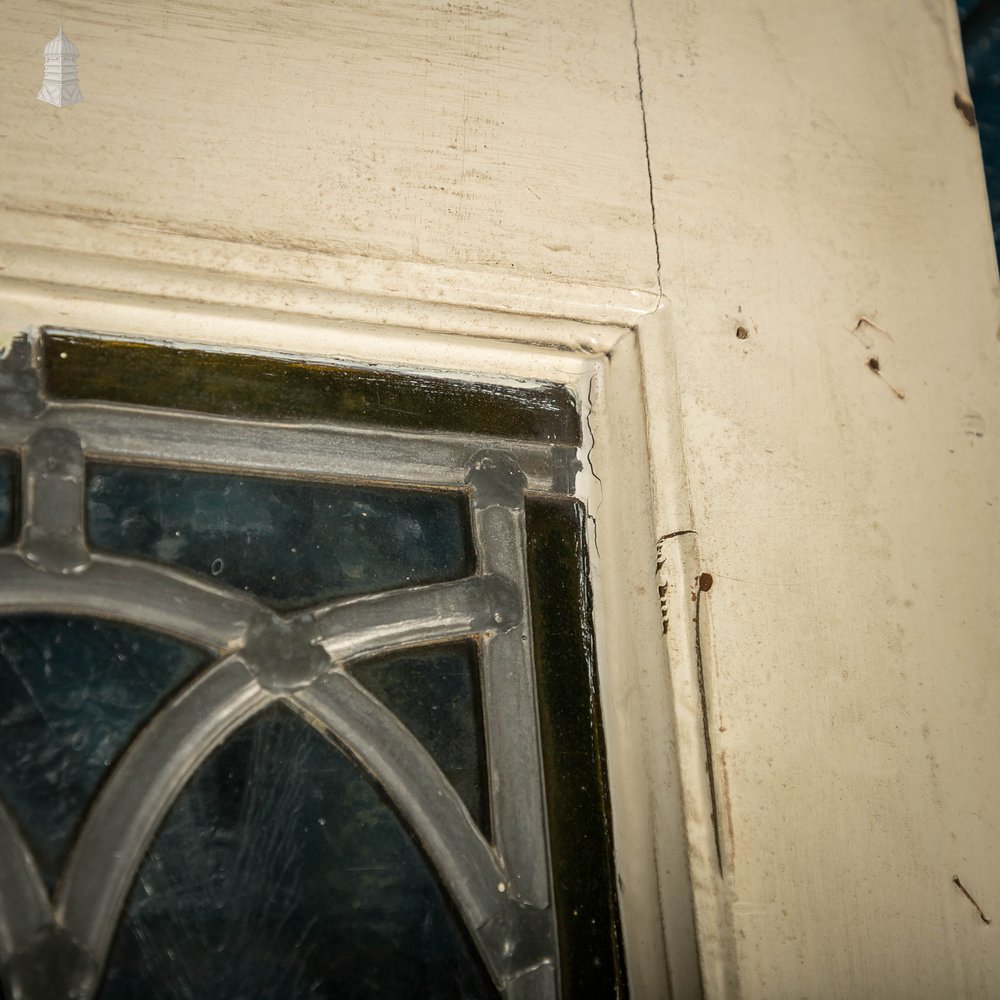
column 396, row 145
column 816, row 186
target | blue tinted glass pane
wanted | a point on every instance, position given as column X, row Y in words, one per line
column 435, row 693
column 292, row 543
column 281, row 872
column 8, row 486
column 73, row 694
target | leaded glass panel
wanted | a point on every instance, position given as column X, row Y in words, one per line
column 74, row 692
column 435, row 693
column 291, row 543
column 297, row 679
column 280, row 851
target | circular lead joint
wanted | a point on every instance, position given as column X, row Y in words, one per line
column 496, row 480
column 281, row 653
column 54, row 964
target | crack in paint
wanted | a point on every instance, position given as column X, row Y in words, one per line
column 645, row 139
column 701, row 586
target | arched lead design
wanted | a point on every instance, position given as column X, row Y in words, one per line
column 428, row 802
column 506, row 904
column 24, row 903
column 218, row 618
column 143, row 786
column 377, row 623
column 213, row 617
column 140, row 791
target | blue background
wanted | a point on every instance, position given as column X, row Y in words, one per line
column 981, row 40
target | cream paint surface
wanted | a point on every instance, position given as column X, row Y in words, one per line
column 811, row 170
column 380, row 179
column 425, row 149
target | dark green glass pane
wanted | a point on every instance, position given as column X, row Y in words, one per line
column 573, row 750
column 8, row 496
column 292, row 543
column 82, row 366
column 435, row 693
column 281, row 872
column 73, row 694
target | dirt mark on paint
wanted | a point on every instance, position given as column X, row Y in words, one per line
column 965, row 892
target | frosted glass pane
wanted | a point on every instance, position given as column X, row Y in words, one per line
column 435, row 693
column 292, row 543
column 282, row 872
column 73, row 693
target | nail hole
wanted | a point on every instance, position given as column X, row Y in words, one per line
column 705, row 582
column 741, row 333
column 874, row 365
